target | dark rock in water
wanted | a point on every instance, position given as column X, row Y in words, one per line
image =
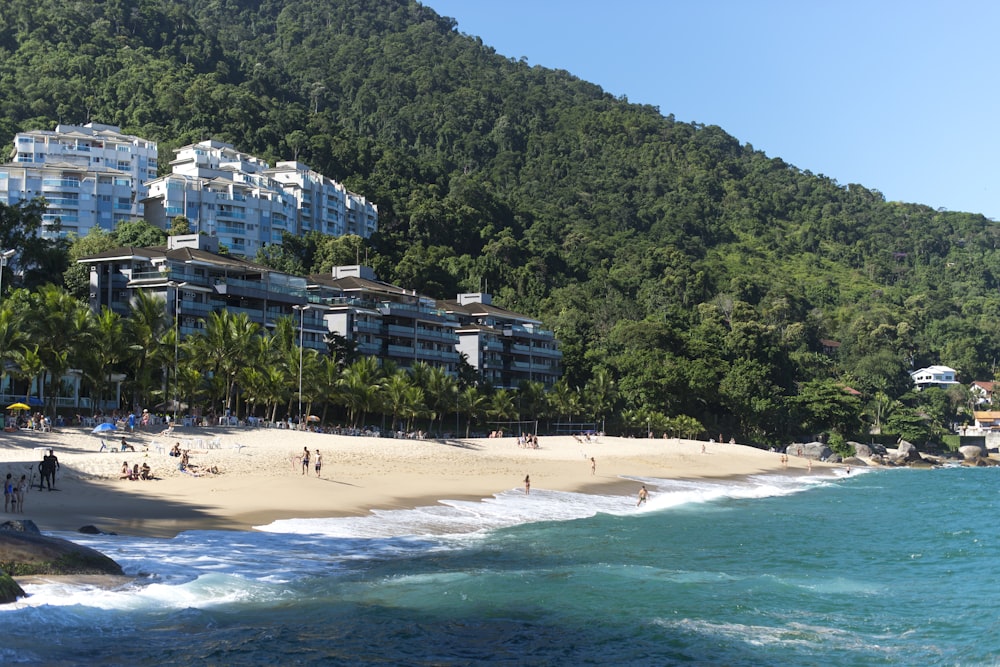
column 92, row 530
column 9, row 589
column 24, row 553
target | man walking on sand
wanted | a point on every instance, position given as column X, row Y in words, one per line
column 48, row 468
column 319, row 462
column 305, row 460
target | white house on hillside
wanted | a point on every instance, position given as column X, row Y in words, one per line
column 933, row 376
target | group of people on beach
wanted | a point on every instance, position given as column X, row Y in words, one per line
column 317, row 460
column 136, row 472
column 14, row 492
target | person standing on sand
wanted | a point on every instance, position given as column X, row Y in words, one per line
column 47, row 468
column 527, row 485
column 593, row 466
column 319, row 462
column 643, row 495
column 22, row 488
column 305, row 460
column 8, row 493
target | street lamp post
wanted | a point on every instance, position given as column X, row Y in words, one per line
column 177, row 334
column 302, row 314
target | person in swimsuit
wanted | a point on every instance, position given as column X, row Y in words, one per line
column 527, row 485
column 319, row 462
column 305, row 460
column 643, row 495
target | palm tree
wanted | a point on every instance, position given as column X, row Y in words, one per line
column 501, row 405
column 531, row 398
column 360, row 386
column 413, row 404
column 600, row 394
column 565, row 400
column 394, row 395
column 59, row 327
column 30, row 366
column 312, row 373
column 150, row 342
column 225, row 347
column 11, row 338
column 106, row 353
column 440, row 393
column 329, row 383
column 470, row 402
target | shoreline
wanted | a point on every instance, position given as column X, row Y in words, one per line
column 261, row 480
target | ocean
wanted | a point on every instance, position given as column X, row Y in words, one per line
column 888, row 567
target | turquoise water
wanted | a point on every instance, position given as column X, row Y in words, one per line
column 883, row 568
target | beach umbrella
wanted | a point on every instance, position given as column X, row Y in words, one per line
column 18, row 406
column 312, row 418
column 101, row 428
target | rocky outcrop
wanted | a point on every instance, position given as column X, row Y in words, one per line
column 25, row 551
column 811, row 450
column 854, row 461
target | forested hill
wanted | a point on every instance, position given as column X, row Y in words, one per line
column 698, row 272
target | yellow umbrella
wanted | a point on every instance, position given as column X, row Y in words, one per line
column 18, row 406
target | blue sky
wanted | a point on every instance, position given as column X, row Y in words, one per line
column 900, row 97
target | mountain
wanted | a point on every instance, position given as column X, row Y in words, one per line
column 698, row 273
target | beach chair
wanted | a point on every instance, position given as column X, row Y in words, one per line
column 215, row 443
column 104, row 446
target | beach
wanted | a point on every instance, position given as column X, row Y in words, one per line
column 430, row 552
column 260, row 477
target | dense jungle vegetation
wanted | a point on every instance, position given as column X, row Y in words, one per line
column 696, row 275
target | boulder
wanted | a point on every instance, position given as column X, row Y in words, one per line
column 973, row 452
column 9, row 589
column 810, row 450
column 854, row 461
column 24, row 552
column 860, row 449
column 907, row 453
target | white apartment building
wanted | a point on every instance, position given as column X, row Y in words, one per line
column 246, row 204
column 90, row 175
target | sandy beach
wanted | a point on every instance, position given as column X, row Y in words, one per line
column 260, row 478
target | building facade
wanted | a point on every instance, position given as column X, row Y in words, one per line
column 933, row 376
column 386, row 321
column 195, row 281
column 90, row 175
column 507, row 348
column 246, row 204
column 378, row 319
